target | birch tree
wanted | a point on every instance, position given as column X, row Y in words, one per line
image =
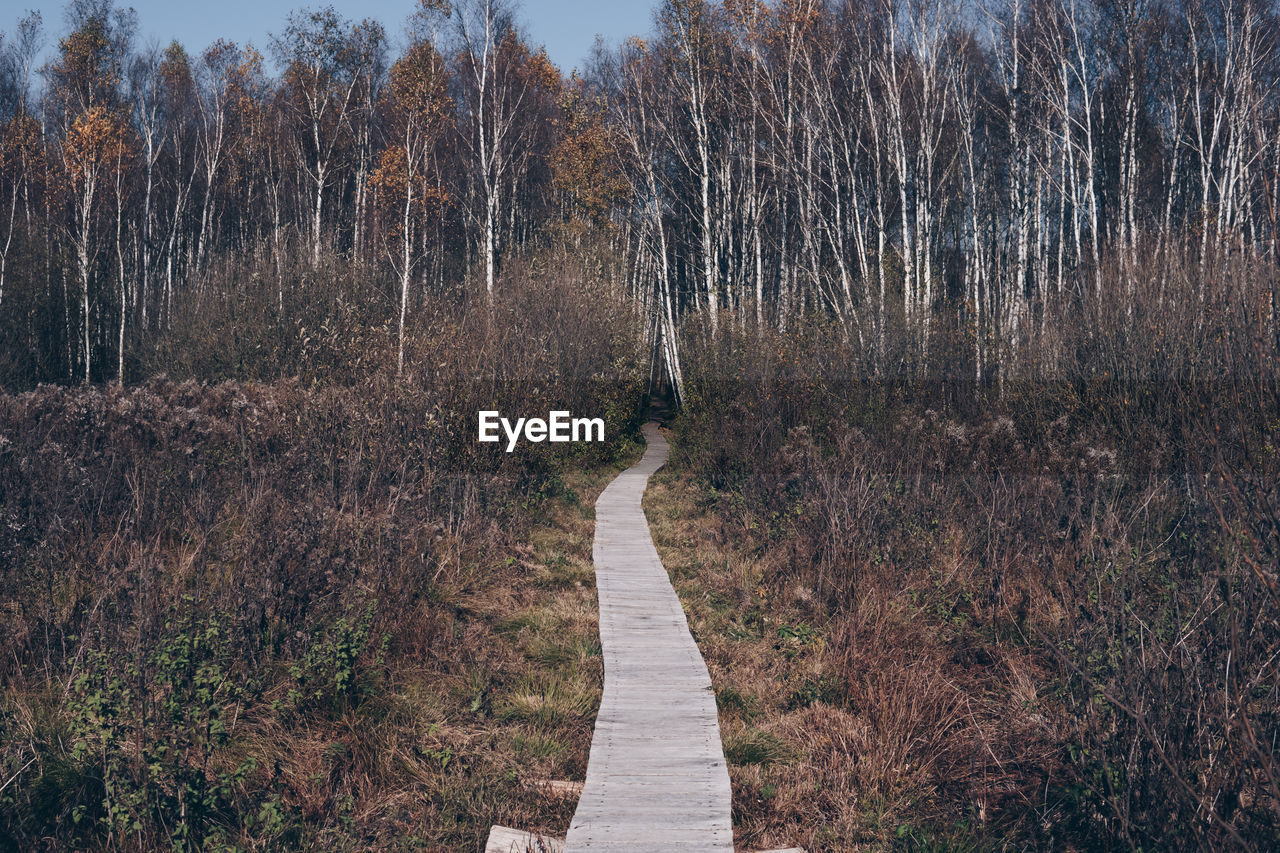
column 418, row 103
column 488, row 113
column 692, row 37
column 322, row 55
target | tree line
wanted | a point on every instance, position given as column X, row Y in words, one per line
column 129, row 169
column 941, row 181
column 920, row 167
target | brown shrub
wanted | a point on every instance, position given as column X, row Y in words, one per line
column 218, row 593
column 1051, row 605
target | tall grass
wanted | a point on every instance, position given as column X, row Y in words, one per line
column 214, row 593
column 1051, row 600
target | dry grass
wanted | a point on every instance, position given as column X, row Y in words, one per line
column 1045, row 619
column 523, row 710
column 308, row 614
column 847, row 730
column 487, row 683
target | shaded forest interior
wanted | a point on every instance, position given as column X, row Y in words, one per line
column 971, row 311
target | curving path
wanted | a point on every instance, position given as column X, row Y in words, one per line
column 656, row 776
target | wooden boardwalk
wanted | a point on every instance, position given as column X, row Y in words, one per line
column 656, row 777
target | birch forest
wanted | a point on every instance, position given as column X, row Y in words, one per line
column 966, row 183
column 961, row 317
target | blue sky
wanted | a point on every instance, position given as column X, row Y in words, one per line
column 567, row 27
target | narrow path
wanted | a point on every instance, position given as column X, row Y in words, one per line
column 656, row 777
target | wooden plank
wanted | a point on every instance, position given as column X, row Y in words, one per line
column 656, row 775
column 554, row 787
column 503, row 839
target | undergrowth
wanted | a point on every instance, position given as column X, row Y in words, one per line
column 947, row 616
column 305, row 614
